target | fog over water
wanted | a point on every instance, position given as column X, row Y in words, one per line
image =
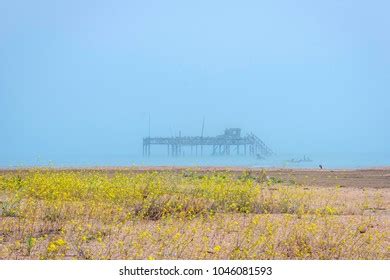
column 79, row 80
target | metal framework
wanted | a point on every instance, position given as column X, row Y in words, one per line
column 230, row 141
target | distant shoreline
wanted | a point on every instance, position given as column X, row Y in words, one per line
column 179, row 168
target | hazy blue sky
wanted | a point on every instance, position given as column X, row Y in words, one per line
column 81, row 77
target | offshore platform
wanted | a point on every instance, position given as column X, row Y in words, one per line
column 229, row 143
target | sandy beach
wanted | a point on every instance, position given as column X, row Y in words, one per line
column 209, row 213
column 356, row 178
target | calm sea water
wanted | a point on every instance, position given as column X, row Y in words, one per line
column 336, row 160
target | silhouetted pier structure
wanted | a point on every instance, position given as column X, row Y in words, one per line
column 231, row 142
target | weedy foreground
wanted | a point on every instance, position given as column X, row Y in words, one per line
column 187, row 214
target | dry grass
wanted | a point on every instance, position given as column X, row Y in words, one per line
column 51, row 214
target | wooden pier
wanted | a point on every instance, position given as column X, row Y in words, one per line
column 229, row 143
